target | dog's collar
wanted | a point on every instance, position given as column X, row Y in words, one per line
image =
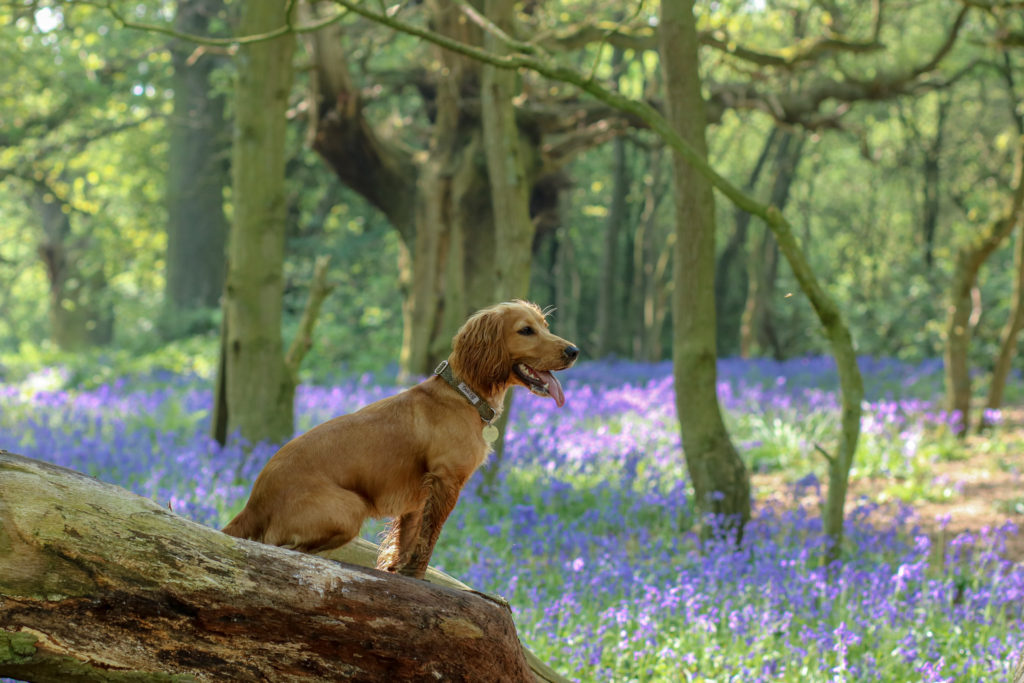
column 444, row 371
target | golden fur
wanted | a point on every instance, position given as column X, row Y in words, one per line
column 407, row 456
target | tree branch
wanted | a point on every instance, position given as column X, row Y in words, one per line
column 303, row 341
column 638, row 37
column 67, row 148
column 806, row 50
column 288, row 27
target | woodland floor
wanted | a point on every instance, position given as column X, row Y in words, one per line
column 983, row 489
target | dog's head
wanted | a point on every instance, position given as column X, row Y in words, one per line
column 508, row 344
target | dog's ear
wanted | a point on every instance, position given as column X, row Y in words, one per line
column 479, row 353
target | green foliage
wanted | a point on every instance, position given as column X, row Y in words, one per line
column 95, row 367
column 84, row 102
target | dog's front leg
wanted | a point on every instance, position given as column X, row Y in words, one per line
column 441, row 495
column 400, row 541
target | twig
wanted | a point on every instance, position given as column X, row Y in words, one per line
column 607, row 34
column 235, row 41
column 319, row 288
column 825, row 454
column 490, row 27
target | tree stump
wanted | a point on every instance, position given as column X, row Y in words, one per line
column 98, row 584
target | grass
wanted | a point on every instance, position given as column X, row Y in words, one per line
column 581, row 532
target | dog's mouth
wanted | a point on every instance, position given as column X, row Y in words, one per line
column 541, row 382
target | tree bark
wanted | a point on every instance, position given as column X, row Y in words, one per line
column 720, row 479
column 256, row 380
column 734, row 269
column 97, row 584
column 969, row 260
column 197, row 172
column 931, row 177
column 505, row 151
column 1008, row 338
column 609, row 281
column 652, row 252
column 80, row 312
column 758, row 324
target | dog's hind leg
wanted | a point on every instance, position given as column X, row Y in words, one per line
column 441, row 496
column 322, row 521
column 399, row 541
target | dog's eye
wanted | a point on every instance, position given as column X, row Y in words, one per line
column 526, row 331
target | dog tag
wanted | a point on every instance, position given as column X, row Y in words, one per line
column 490, row 434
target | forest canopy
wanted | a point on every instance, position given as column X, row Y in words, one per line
column 896, row 125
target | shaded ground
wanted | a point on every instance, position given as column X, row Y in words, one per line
column 984, row 489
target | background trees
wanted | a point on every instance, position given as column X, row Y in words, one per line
column 886, row 131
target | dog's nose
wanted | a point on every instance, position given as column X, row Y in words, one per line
column 571, row 352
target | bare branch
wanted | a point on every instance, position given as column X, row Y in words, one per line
column 807, row 50
column 559, row 153
column 233, row 42
column 319, row 288
column 638, row 37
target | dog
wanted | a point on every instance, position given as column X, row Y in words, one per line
column 406, row 457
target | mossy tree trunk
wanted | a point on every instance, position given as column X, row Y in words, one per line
column 720, row 478
column 197, row 172
column 97, row 584
column 256, row 384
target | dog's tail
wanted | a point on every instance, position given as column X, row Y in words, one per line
column 244, row 526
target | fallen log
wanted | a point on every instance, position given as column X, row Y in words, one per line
column 99, row 584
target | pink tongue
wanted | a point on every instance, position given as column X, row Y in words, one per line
column 554, row 387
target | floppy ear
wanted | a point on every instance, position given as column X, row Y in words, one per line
column 479, row 354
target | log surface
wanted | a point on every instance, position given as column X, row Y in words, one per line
column 99, row 584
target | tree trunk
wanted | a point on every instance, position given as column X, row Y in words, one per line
column 757, row 326
column 652, row 252
column 931, row 179
column 197, row 172
column 507, row 165
column 733, row 268
column 80, row 313
column 1008, row 338
column 568, row 285
column 1010, row 333
column 969, row 260
column 720, row 479
column 256, row 381
column 440, row 202
column 758, row 322
column 97, row 584
column 609, row 281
